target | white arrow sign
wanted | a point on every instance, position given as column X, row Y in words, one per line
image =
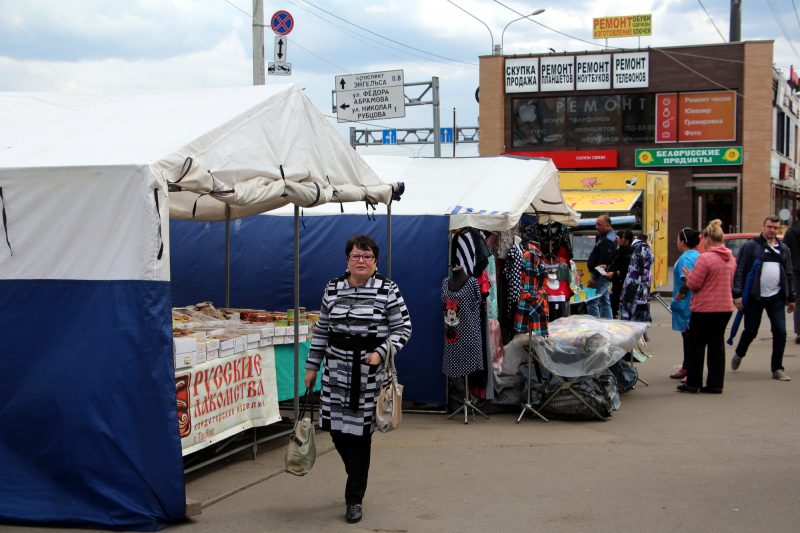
column 370, row 96
column 281, row 44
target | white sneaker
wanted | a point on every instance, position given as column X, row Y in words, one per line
column 780, row 376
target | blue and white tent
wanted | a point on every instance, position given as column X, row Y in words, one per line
column 490, row 193
column 88, row 424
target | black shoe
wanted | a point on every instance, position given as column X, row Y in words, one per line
column 711, row 390
column 685, row 388
column 797, row 339
column 353, row 513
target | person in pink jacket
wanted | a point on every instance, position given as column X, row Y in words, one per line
column 711, row 280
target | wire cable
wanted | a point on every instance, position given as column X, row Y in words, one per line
column 782, row 27
column 387, row 38
column 724, row 40
column 796, row 16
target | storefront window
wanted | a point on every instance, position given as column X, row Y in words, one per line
column 583, row 120
column 538, row 122
column 593, row 120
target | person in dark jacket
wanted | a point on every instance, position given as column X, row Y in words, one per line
column 619, row 268
column 601, row 256
column 792, row 240
column 772, row 289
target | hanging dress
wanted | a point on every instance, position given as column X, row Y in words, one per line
column 532, row 309
column 463, row 346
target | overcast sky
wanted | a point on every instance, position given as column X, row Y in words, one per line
column 110, row 45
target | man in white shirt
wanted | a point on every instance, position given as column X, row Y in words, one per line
column 772, row 289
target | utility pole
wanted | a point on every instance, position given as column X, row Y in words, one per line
column 259, row 76
column 736, row 21
column 437, row 139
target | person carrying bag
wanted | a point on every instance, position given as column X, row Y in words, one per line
column 389, row 406
column 302, row 451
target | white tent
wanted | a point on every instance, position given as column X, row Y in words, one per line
column 490, row 193
column 87, row 382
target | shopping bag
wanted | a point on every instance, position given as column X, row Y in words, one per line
column 302, row 450
column 389, row 405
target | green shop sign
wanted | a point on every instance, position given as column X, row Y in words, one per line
column 689, row 157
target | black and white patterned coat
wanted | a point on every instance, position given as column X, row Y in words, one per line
column 376, row 309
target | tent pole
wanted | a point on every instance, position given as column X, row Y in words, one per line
column 227, row 255
column 389, row 240
column 296, row 310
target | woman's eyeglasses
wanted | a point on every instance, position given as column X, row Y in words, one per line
column 359, row 257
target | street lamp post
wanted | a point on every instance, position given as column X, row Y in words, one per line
column 502, row 36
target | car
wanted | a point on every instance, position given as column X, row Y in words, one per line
column 733, row 241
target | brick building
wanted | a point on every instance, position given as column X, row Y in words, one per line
column 707, row 114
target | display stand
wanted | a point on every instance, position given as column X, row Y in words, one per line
column 468, row 405
column 528, row 407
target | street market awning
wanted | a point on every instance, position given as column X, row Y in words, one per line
column 601, row 201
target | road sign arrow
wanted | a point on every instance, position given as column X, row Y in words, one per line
column 344, row 106
column 342, row 84
column 280, row 49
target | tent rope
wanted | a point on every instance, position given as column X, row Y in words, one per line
column 5, row 220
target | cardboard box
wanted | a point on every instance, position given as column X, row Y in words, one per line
column 212, row 354
column 265, row 342
column 200, row 357
column 184, row 345
column 280, row 331
column 240, row 344
column 227, row 343
column 183, row 360
column 253, row 337
column 226, row 353
column 253, row 345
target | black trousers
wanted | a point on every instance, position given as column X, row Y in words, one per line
column 355, row 452
column 687, row 349
column 707, row 330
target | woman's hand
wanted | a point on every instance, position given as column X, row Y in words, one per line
column 310, row 379
column 686, row 271
column 374, row 358
column 678, row 297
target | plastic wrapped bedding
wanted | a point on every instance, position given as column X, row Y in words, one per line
column 582, row 345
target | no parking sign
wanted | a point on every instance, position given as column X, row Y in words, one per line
column 282, row 22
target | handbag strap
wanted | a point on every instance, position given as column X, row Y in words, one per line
column 308, row 402
column 391, row 370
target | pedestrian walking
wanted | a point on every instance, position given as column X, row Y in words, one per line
column 619, row 268
column 792, row 240
column 601, row 256
column 360, row 311
column 687, row 242
column 772, row 290
column 711, row 280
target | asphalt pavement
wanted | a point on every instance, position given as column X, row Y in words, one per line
column 664, row 462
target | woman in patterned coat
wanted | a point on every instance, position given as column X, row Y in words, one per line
column 360, row 311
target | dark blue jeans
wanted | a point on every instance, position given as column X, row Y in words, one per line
column 776, row 312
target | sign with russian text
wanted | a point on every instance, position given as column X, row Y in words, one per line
column 689, row 157
column 370, row 96
column 593, row 72
column 225, row 396
column 576, row 158
column 605, row 180
column 667, row 117
column 522, row 75
column 624, row 26
column 557, row 73
column 631, row 70
column 707, row 116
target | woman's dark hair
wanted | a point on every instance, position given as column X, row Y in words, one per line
column 625, row 234
column 362, row 242
column 690, row 237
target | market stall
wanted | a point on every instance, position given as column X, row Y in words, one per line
column 88, row 183
column 442, row 195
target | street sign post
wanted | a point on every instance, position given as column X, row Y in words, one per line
column 370, row 96
column 389, row 136
column 282, row 22
column 279, row 68
column 281, row 47
column 446, row 135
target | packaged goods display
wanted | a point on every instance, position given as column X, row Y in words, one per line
column 203, row 332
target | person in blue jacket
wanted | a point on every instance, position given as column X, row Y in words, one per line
column 687, row 241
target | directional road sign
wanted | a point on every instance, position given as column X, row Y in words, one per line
column 446, row 135
column 370, row 96
column 281, row 46
column 389, row 136
column 279, row 68
column 282, row 22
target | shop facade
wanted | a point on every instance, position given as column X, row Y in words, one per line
column 705, row 114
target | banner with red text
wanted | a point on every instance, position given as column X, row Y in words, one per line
column 225, row 396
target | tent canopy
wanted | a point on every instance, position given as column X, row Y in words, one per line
column 252, row 148
column 490, row 193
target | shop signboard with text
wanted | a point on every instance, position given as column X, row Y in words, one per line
column 224, row 396
column 624, row 26
column 576, row 158
column 689, row 157
column 589, row 72
column 696, row 117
